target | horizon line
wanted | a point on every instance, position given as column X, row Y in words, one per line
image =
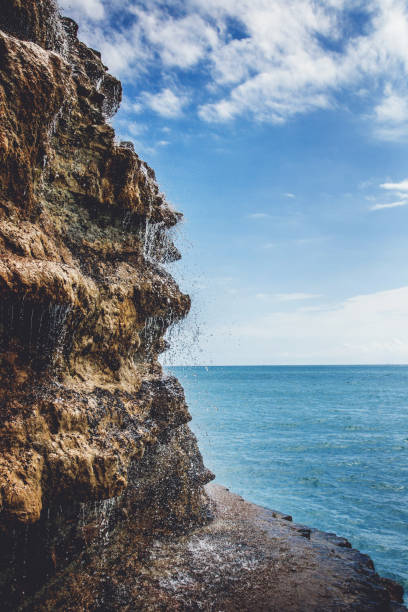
column 286, row 365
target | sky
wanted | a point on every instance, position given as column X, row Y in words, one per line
column 280, row 129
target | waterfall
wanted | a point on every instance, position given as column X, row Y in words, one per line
column 57, row 36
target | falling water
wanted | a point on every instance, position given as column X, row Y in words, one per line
column 101, row 515
column 111, row 101
column 39, row 328
column 57, row 36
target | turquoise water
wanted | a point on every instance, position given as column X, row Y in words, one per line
column 327, row 444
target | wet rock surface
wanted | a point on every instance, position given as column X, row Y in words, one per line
column 102, row 498
column 86, row 413
column 245, row 558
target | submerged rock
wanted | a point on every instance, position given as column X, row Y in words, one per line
column 102, row 500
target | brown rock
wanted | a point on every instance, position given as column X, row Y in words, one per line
column 84, row 305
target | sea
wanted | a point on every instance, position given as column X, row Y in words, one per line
column 326, row 444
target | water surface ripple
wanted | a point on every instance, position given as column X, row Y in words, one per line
column 327, row 444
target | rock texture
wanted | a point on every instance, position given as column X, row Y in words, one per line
column 248, row 559
column 102, row 500
column 85, row 303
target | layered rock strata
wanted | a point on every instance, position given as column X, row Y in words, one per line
column 86, row 414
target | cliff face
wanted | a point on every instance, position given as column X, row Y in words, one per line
column 86, row 414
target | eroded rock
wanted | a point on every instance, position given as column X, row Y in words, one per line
column 84, row 308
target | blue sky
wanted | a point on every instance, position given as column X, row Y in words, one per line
column 280, row 129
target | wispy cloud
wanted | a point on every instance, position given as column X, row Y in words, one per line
column 258, row 216
column 391, row 114
column 390, row 205
column 288, row 297
column 399, row 190
column 368, row 328
column 166, row 103
column 289, row 195
column 93, row 9
column 278, row 59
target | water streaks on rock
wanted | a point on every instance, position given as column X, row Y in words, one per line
column 84, row 307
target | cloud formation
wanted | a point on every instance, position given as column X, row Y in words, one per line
column 390, row 205
column 288, row 297
column 396, row 190
column 258, row 216
column 166, row 103
column 265, row 60
column 401, row 186
column 366, row 329
column 93, row 9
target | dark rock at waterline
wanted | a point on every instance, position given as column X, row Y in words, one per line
column 244, row 558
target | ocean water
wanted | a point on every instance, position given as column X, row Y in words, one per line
column 327, row 444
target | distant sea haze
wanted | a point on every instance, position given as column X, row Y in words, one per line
column 327, row 444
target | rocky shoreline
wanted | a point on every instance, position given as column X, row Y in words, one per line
column 245, row 558
column 103, row 504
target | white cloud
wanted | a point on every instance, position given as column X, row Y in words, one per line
column 289, row 195
column 401, row 186
column 400, row 190
column 279, row 59
column 166, row 103
column 390, row 205
column 391, row 115
column 258, row 216
column 181, row 42
column 290, row 297
column 93, row 9
column 393, row 108
column 367, row 328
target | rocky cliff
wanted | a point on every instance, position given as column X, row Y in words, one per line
column 102, row 499
column 86, row 414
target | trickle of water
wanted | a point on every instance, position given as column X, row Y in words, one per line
column 111, row 101
column 155, row 327
column 104, row 512
column 57, row 36
column 102, row 515
column 185, row 337
column 148, row 334
column 158, row 246
column 127, row 219
column 58, row 329
column 39, row 328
